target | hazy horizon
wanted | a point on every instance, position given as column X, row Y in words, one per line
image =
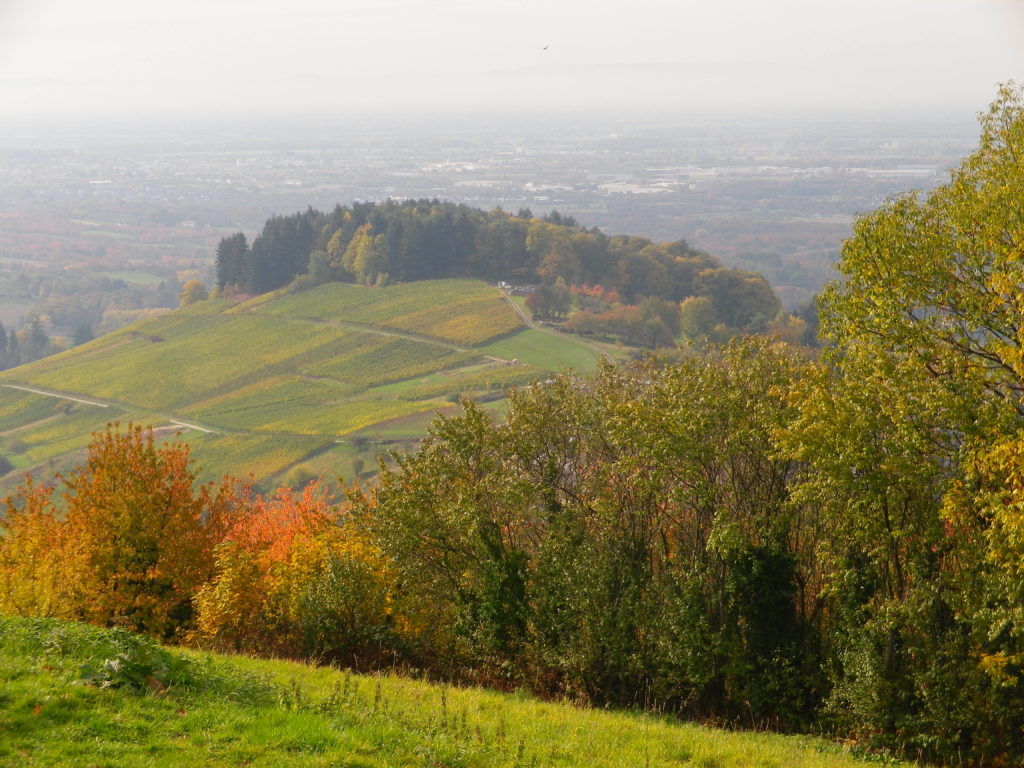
column 116, row 59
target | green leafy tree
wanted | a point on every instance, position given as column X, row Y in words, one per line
column 911, row 444
column 937, row 278
column 320, row 270
column 37, row 338
column 742, row 300
column 697, row 316
column 623, row 532
column 83, row 334
column 232, row 262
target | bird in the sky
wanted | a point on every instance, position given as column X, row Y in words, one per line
column 545, row 47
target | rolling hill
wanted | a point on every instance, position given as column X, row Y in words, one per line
column 284, row 384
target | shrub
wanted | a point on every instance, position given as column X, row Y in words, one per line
column 292, row 578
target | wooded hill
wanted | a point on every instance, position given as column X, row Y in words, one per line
column 402, row 241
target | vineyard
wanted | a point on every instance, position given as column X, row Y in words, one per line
column 463, row 312
column 393, row 360
column 470, row 381
column 280, row 379
column 249, row 455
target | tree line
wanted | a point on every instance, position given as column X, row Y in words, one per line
column 409, row 240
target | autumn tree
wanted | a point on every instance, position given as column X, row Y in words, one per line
column 41, row 563
column 192, row 292
column 148, row 531
column 292, row 578
column 937, row 278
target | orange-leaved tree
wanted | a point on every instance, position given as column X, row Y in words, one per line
column 147, row 531
column 293, row 578
column 130, row 544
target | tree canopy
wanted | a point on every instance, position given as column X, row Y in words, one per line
column 411, row 240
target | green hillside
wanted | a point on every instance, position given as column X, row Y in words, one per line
column 205, row 709
column 318, row 382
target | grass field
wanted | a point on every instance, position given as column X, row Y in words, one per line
column 230, row 711
column 282, row 376
column 549, row 351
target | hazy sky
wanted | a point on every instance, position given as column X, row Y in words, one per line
column 222, row 56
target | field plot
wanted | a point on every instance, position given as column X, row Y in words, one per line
column 166, row 367
column 50, row 428
column 476, row 380
column 463, row 312
column 58, row 436
column 549, row 351
column 470, row 322
column 348, row 416
column 390, row 359
column 281, row 377
column 138, row 277
column 266, row 400
column 18, row 407
column 242, row 455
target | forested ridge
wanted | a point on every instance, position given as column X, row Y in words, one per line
column 752, row 535
column 400, row 241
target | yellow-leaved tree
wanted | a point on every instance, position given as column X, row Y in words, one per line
column 129, row 544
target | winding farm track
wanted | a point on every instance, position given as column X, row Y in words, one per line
column 537, row 327
column 72, row 398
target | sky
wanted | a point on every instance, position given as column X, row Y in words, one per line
column 61, row 58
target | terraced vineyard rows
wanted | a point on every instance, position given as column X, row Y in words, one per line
column 259, row 456
column 392, row 360
column 281, row 378
column 462, row 312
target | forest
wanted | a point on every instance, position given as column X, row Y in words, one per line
column 401, row 241
column 755, row 536
column 69, row 306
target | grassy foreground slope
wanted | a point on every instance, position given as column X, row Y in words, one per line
column 278, row 381
column 215, row 710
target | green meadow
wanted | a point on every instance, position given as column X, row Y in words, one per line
column 76, row 695
column 284, row 382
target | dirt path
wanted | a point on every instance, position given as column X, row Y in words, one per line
column 58, row 395
column 537, row 327
column 193, row 426
column 72, row 398
column 394, row 333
